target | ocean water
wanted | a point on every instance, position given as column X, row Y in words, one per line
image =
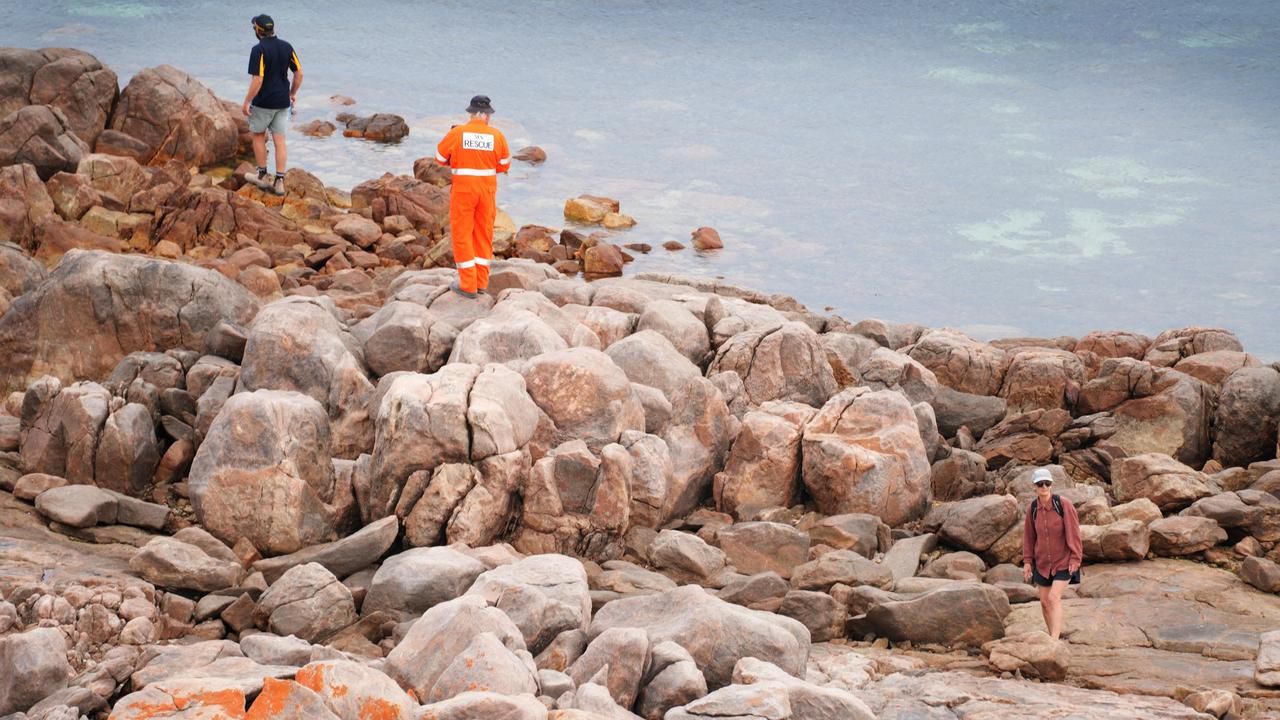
column 1005, row 167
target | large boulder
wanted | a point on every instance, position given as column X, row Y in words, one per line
column 780, row 362
column 427, row 653
column 544, row 595
column 1171, row 346
column 699, row 428
column 862, row 452
column 1154, row 409
column 25, row 205
column 1042, row 378
column 763, row 467
column 576, row 502
column 977, row 523
column 34, row 665
column 423, row 204
column 716, row 633
column 963, row 614
column 128, row 451
column 960, row 362
column 270, row 444
column 1247, row 416
column 417, row 580
column 18, row 272
column 505, row 335
column 1161, row 479
column 42, row 136
column 297, row 344
column 1184, row 535
column 404, row 336
column 170, row 115
column 172, row 564
column 95, row 308
column 307, row 602
column 353, row 691
column 74, row 82
column 585, row 394
column 61, row 428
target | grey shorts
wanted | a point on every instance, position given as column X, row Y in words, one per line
column 264, row 119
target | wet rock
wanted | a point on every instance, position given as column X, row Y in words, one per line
column 1166, row 482
column 714, row 632
column 862, row 453
column 307, row 602
column 963, row 614
column 170, row 563
column 418, row 579
column 266, row 443
column 33, row 665
column 173, row 116
column 1034, row 654
column 602, row 260
column 589, row 209
column 41, row 136
column 355, row 692
column 317, row 128
column 1184, row 535
column 156, row 305
column 381, row 127
column 531, row 154
column 763, row 467
column 781, row 362
column 706, row 238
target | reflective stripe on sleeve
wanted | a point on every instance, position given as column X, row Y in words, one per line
column 440, row 159
column 467, row 264
column 504, row 161
column 474, row 173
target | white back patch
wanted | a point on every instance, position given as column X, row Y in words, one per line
column 477, row 141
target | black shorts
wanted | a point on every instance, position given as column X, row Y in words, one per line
column 1043, row 581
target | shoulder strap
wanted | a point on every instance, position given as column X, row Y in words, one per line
column 1034, row 503
column 1057, row 505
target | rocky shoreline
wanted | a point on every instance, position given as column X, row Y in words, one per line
column 257, row 461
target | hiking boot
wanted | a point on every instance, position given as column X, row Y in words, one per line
column 454, row 286
column 277, row 187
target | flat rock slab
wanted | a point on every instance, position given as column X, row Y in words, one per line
column 340, row 557
column 79, row 506
column 951, row 695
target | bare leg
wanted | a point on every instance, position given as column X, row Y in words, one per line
column 281, row 153
column 1046, row 607
column 260, row 148
column 1055, row 616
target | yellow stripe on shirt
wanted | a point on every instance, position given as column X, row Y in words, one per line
column 296, row 65
column 262, row 66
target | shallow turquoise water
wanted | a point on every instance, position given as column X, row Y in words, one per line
column 1008, row 168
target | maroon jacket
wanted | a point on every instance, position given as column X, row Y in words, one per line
column 1053, row 542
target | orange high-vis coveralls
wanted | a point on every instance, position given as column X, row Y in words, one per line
column 476, row 152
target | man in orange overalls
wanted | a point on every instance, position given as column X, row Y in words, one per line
column 476, row 153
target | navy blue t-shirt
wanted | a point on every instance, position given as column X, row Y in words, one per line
column 272, row 59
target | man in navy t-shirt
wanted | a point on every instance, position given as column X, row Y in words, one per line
column 270, row 97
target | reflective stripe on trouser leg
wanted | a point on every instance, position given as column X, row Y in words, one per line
column 482, row 235
column 461, row 224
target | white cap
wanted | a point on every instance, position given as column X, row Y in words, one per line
column 1040, row 475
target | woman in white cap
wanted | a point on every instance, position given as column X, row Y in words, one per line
column 1051, row 550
